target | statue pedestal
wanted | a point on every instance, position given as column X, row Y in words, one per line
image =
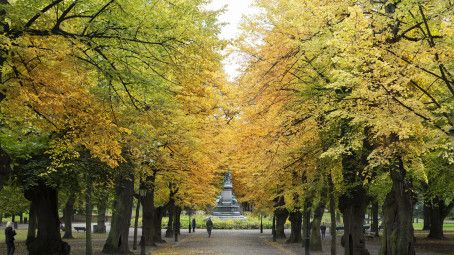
column 226, row 205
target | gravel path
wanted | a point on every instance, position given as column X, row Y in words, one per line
column 245, row 242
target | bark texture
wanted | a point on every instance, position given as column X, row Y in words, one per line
column 374, row 225
column 159, row 213
column 398, row 236
column 48, row 240
column 353, row 202
column 5, row 160
column 281, row 215
column 88, row 214
column 68, row 215
column 353, row 208
column 32, row 224
column 101, row 205
column 332, row 212
column 171, row 212
column 148, row 212
column 426, row 212
column 316, row 239
column 117, row 240
column 296, row 219
column 438, row 212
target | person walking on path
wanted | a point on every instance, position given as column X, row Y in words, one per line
column 209, row 227
column 323, row 230
column 9, row 238
column 193, row 224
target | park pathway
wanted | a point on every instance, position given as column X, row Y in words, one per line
column 225, row 242
column 245, row 242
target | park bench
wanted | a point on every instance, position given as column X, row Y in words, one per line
column 80, row 229
column 366, row 227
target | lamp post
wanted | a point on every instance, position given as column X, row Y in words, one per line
column 261, row 223
column 142, row 194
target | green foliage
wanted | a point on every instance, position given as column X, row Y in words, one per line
column 12, row 200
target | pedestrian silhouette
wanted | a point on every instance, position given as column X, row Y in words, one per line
column 323, row 230
column 209, row 226
column 9, row 238
column 193, row 225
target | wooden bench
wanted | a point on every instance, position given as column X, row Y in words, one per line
column 80, row 229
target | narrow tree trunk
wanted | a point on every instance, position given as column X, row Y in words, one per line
column 171, row 208
column 374, row 226
column 296, row 218
column 68, row 212
column 5, row 160
column 48, row 240
column 398, row 237
column 177, row 221
column 281, row 216
column 158, row 224
column 306, row 226
column 332, row 212
column 426, row 212
column 117, row 240
column 316, row 239
column 88, row 215
column 136, row 224
column 101, row 218
column 21, row 218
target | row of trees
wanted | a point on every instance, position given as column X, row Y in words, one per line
column 345, row 104
column 106, row 97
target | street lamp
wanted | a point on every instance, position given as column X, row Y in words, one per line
column 142, row 194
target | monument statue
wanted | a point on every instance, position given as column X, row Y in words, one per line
column 226, row 204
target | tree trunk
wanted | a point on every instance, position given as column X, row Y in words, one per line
column 68, row 213
column 48, row 240
column 5, row 160
column 426, row 212
column 177, row 222
column 171, row 208
column 353, row 207
column 101, row 218
column 32, row 224
column 353, row 202
column 316, row 239
column 436, row 221
column 159, row 212
column 136, row 225
column 281, row 216
column 374, row 227
column 296, row 218
column 398, row 238
column 88, row 215
column 21, row 218
column 117, row 240
column 438, row 213
column 306, row 226
column 332, row 212
column 148, row 212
